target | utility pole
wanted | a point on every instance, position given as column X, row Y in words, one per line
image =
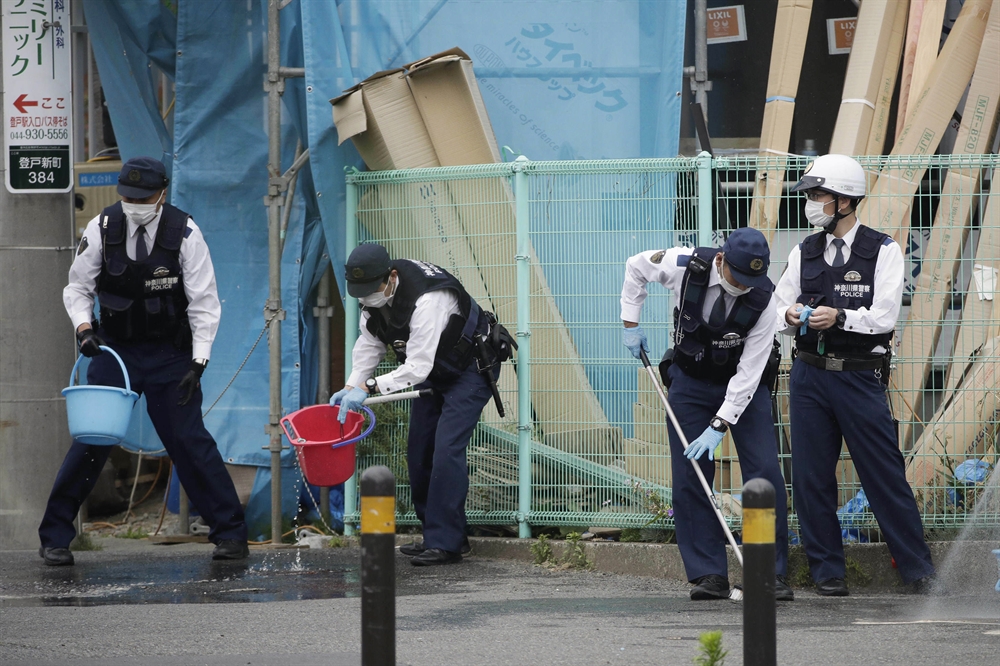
column 36, row 337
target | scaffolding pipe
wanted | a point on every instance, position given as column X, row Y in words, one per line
column 351, row 321
column 522, row 221
column 324, row 315
column 272, row 311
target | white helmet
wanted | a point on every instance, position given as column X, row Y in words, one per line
column 837, row 174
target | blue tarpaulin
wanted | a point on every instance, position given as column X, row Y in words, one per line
column 560, row 79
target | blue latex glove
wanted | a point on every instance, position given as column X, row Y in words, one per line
column 338, row 396
column 351, row 402
column 707, row 441
column 804, row 317
column 635, row 339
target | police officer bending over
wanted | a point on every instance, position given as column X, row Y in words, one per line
column 840, row 296
column 443, row 341
column 722, row 347
column 149, row 266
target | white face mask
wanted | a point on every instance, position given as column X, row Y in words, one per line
column 816, row 214
column 378, row 298
column 729, row 288
column 142, row 214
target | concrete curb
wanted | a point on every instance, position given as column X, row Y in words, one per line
column 869, row 565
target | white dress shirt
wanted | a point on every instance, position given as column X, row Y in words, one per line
column 887, row 290
column 641, row 270
column 204, row 309
column 430, row 318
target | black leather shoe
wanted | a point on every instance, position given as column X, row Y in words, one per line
column 56, row 557
column 832, row 587
column 231, row 549
column 925, row 585
column 415, row 548
column 433, row 556
column 782, row 591
column 712, row 586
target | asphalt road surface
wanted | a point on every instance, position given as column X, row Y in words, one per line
column 138, row 604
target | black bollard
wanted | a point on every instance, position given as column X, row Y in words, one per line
column 378, row 567
column 759, row 626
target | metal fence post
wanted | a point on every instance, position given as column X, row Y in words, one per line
column 705, row 176
column 351, row 316
column 378, row 566
column 523, row 257
column 759, row 626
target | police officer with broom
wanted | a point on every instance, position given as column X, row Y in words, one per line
column 444, row 341
column 723, row 340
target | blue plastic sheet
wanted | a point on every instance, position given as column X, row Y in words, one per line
column 560, row 79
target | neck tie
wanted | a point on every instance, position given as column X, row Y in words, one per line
column 141, row 251
column 838, row 260
column 718, row 316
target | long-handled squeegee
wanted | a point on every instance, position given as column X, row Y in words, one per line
column 736, row 594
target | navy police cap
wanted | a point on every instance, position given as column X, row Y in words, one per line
column 366, row 268
column 748, row 257
column 140, row 177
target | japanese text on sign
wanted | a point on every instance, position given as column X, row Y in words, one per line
column 37, row 79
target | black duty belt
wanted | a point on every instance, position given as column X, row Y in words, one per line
column 839, row 364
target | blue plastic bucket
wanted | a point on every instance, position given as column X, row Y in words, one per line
column 99, row 414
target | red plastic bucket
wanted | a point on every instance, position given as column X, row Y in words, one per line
column 324, row 445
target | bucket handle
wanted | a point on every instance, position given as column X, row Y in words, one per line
column 79, row 359
column 367, row 431
column 286, row 425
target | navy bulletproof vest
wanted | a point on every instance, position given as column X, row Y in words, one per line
column 851, row 286
column 391, row 325
column 701, row 351
column 143, row 300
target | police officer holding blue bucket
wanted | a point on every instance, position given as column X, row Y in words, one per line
column 150, row 269
column 445, row 341
column 719, row 376
column 840, row 296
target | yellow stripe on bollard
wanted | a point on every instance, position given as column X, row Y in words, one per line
column 758, row 525
column 378, row 515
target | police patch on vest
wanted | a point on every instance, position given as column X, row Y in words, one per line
column 160, row 284
column 658, row 257
column 853, row 276
column 728, row 341
column 161, row 271
column 83, row 246
column 851, row 290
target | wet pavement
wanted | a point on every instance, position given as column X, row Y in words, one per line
column 135, row 603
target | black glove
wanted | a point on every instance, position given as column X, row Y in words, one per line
column 90, row 343
column 190, row 382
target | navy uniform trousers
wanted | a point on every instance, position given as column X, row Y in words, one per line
column 699, row 536
column 825, row 407
column 155, row 369
column 440, row 428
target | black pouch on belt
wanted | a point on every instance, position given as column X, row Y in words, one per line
column 665, row 363
column 769, row 377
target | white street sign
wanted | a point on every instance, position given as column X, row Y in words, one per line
column 38, row 95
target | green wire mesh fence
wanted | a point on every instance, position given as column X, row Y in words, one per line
column 584, row 441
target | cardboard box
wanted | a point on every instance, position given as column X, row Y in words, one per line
column 381, row 118
column 876, row 20
column 962, row 426
column 927, row 46
column 980, row 320
column 943, row 250
column 883, row 102
column 446, row 93
column 887, row 207
column 791, row 26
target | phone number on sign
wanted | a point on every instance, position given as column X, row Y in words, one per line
column 40, row 134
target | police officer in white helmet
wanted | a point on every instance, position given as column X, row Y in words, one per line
column 840, row 296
